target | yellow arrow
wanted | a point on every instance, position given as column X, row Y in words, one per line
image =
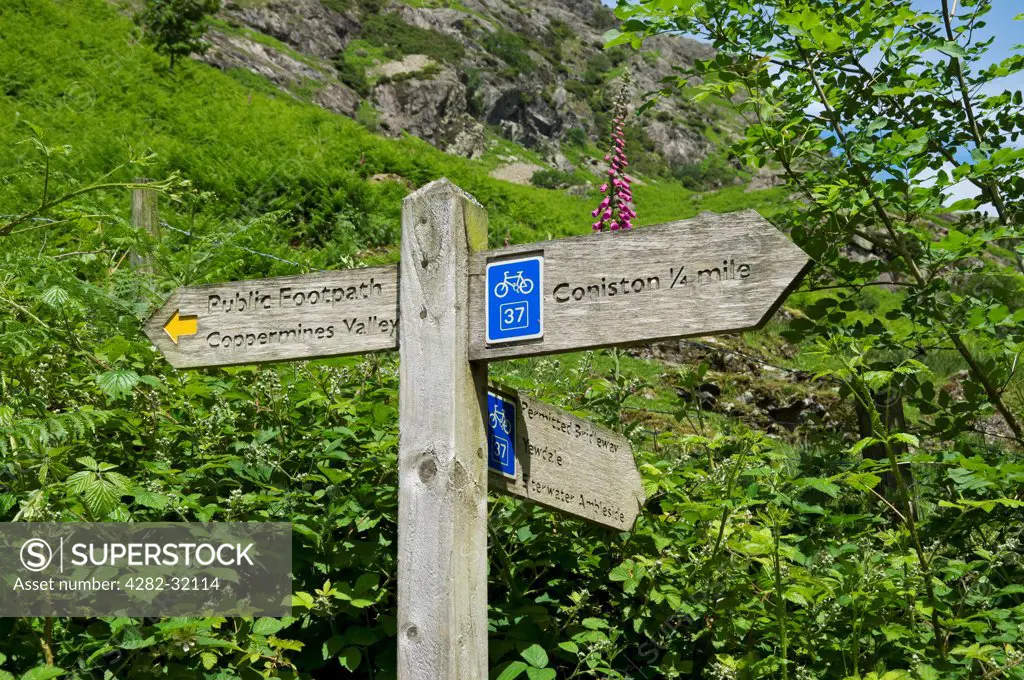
column 178, row 326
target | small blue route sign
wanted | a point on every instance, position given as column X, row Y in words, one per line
column 514, row 307
column 501, row 434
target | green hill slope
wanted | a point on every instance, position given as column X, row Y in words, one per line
column 75, row 71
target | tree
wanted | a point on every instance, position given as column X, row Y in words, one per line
column 880, row 114
column 176, row 27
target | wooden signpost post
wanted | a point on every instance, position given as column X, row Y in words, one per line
column 451, row 306
column 549, row 456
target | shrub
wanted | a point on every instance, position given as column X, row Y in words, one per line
column 175, row 28
column 597, row 69
column 578, row 88
column 511, row 48
column 399, row 38
column 367, row 116
column 553, row 179
column 352, row 74
column 576, row 136
column 711, row 173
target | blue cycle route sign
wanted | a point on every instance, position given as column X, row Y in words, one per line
column 501, row 435
column 515, row 301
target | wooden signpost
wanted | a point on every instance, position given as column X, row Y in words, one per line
column 708, row 275
column 562, row 461
column 351, row 311
column 460, row 306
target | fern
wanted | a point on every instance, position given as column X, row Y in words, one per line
column 56, row 428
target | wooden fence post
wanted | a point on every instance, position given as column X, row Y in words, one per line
column 442, row 464
column 889, row 404
column 146, row 218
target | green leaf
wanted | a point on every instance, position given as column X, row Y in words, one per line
column 951, row 49
column 570, row 647
column 513, row 670
column 622, row 572
column 117, row 383
column 541, row 673
column 332, row 646
column 863, row 444
column 536, row 656
column 267, row 626
column 350, row 658
column 43, row 673
column 907, row 439
column 56, row 297
column 209, row 660
column 594, row 624
column 138, row 643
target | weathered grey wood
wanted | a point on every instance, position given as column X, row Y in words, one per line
column 761, row 267
column 292, row 317
column 568, row 463
column 442, row 467
column 145, row 218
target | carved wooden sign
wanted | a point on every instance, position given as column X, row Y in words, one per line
column 349, row 311
column 562, row 461
column 709, row 275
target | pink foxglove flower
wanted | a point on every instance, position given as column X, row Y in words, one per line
column 616, row 209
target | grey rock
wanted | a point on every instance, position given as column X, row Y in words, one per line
column 560, row 162
column 228, row 51
column 531, row 106
column 338, row 98
column 306, row 25
column 679, row 145
column 766, row 178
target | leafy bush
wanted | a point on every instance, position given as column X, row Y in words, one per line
column 598, row 68
column 511, row 48
column 579, row 88
column 352, row 74
column 401, row 38
column 550, row 178
column 176, row 27
column 576, row 136
column 711, row 173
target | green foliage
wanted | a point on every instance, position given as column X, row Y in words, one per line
column 711, row 173
column 549, row 178
column 367, row 116
column 175, row 27
column 352, row 74
column 401, row 38
column 757, row 556
column 911, row 587
column 577, row 137
column 511, row 48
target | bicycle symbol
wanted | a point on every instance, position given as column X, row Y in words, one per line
column 499, row 419
column 517, row 282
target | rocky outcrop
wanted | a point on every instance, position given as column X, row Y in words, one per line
column 307, row 25
column 534, row 70
column 436, row 113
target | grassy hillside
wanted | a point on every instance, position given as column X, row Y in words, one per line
column 75, row 71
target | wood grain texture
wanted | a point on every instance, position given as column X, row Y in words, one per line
column 708, row 275
column 570, row 464
column 349, row 311
column 442, row 482
column 146, row 219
